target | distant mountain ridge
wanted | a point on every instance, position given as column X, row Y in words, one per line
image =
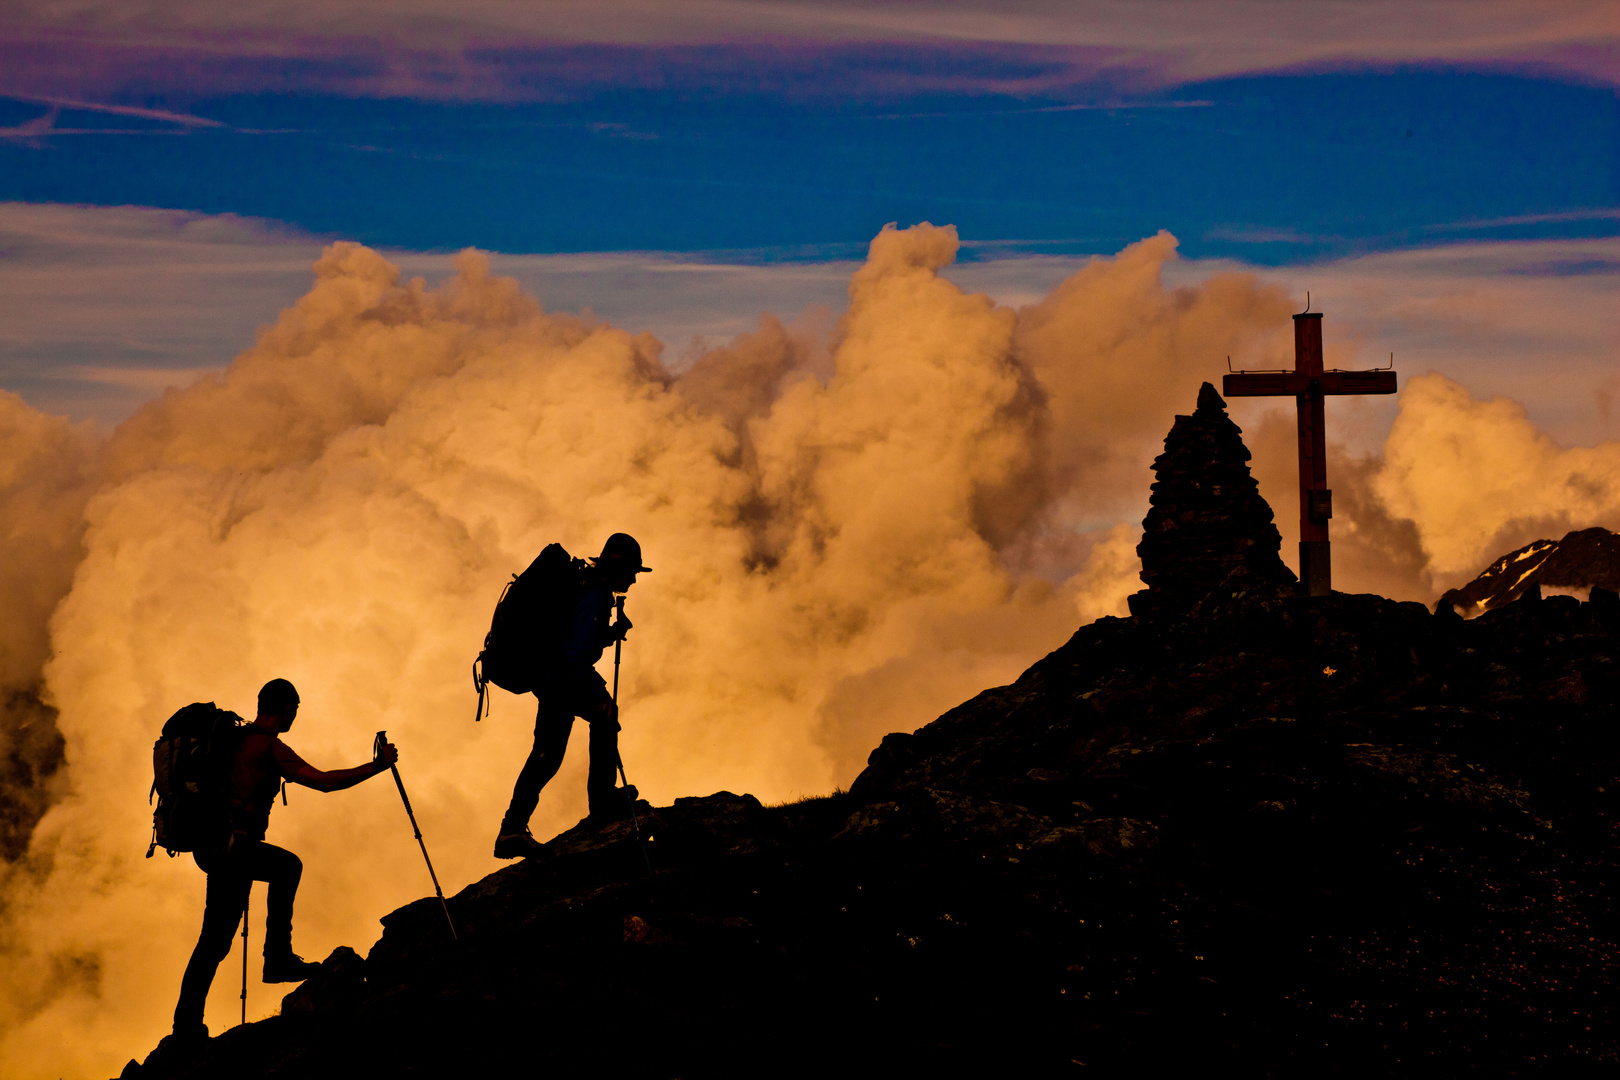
column 1582, row 559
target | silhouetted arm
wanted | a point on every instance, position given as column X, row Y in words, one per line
column 338, row 779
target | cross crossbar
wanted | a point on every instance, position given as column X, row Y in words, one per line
column 1308, row 384
column 1293, row 383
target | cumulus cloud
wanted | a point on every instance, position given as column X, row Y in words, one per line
column 102, row 307
column 853, row 527
column 1478, row 478
column 1374, row 549
column 842, row 523
column 46, row 475
column 1109, row 380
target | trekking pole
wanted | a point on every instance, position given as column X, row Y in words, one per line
column 246, row 898
column 376, row 752
column 635, row 819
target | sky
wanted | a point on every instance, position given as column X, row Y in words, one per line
column 767, row 135
column 867, row 319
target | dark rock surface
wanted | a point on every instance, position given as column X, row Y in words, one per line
column 1581, row 560
column 1206, row 518
column 1285, row 836
column 1242, row 832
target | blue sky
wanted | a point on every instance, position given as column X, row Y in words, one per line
column 1270, row 169
column 739, row 133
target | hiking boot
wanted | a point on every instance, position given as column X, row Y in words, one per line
column 518, row 845
column 288, row 967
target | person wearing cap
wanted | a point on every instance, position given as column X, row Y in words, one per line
column 574, row 688
column 259, row 765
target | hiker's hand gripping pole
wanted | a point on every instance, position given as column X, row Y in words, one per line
column 377, row 755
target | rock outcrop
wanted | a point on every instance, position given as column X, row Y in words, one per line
column 1574, row 564
column 1206, row 520
column 1263, row 834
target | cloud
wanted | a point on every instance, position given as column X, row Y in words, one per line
column 32, row 132
column 1478, row 478
column 856, row 521
column 837, row 517
column 100, row 307
column 57, row 104
column 491, row 49
column 47, row 472
column 1374, row 549
column 1529, row 320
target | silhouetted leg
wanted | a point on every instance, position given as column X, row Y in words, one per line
column 551, row 727
column 282, row 870
column 227, row 892
column 602, row 780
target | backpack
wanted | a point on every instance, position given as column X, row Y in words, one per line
column 191, row 774
column 530, row 625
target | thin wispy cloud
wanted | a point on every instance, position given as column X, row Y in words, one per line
column 34, row 130
column 498, row 50
column 57, row 104
column 1597, row 213
column 1103, row 106
column 146, row 380
column 35, row 133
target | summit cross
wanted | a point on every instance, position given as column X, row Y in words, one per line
column 1308, row 385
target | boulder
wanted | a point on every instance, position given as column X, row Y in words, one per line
column 340, row 985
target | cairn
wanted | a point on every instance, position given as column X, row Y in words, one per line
column 1206, row 518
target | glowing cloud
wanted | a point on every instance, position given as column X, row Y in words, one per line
column 1478, row 478
column 850, row 532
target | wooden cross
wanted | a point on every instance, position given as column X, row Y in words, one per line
column 1308, row 384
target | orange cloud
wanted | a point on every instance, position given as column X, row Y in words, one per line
column 852, row 530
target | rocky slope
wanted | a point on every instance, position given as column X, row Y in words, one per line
column 1259, row 832
column 1579, row 561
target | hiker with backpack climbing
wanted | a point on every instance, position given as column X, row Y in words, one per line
column 232, row 851
column 565, row 611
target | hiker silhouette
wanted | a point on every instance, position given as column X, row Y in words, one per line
column 568, row 685
column 258, row 766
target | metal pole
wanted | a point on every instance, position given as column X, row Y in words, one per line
column 246, row 898
column 618, row 654
column 377, row 748
column 635, row 819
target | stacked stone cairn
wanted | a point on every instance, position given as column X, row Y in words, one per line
column 1206, row 520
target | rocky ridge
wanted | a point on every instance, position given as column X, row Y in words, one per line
column 1250, row 831
column 1582, row 559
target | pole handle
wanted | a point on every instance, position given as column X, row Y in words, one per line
column 377, row 745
